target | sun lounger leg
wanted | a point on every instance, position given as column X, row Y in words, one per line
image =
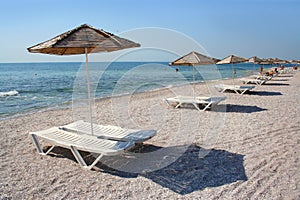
column 78, row 156
column 80, row 160
column 243, row 92
column 38, row 146
column 196, row 106
column 207, row 106
column 167, row 101
column 95, row 162
column 50, row 149
column 179, row 104
column 236, row 92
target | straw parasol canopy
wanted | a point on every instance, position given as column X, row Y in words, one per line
column 81, row 40
column 84, row 39
column 232, row 59
column 266, row 62
column 255, row 60
column 279, row 61
column 295, row 61
column 193, row 59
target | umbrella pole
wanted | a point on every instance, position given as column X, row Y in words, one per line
column 193, row 80
column 88, row 88
column 233, row 74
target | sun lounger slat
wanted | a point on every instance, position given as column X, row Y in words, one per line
column 110, row 132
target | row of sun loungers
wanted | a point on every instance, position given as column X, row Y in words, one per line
column 258, row 79
column 288, row 70
column 110, row 140
column 107, row 140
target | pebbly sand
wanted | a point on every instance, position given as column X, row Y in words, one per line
column 245, row 148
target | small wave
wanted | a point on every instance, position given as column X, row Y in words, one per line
column 10, row 93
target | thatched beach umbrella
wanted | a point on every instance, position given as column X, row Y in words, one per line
column 266, row 62
column 255, row 60
column 232, row 59
column 193, row 59
column 280, row 61
column 84, row 39
column 294, row 61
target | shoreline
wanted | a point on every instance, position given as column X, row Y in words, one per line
column 68, row 104
column 7, row 115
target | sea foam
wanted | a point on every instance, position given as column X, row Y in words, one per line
column 9, row 93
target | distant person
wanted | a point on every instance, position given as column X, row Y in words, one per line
column 261, row 70
column 177, row 69
column 295, row 68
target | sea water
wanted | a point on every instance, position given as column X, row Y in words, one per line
column 30, row 87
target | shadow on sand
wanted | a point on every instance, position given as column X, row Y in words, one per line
column 276, row 84
column 237, row 108
column 285, row 75
column 264, row 93
column 188, row 173
column 191, row 173
column 280, row 79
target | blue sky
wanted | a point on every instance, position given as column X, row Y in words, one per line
column 266, row 28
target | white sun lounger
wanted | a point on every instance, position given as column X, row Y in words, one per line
column 110, row 132
column 288, row 70
column 83, row 142
column 239, row 89
column 254, row 81
column 207, row 102
column 263, row 77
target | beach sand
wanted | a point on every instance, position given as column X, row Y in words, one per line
column 245, row 148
